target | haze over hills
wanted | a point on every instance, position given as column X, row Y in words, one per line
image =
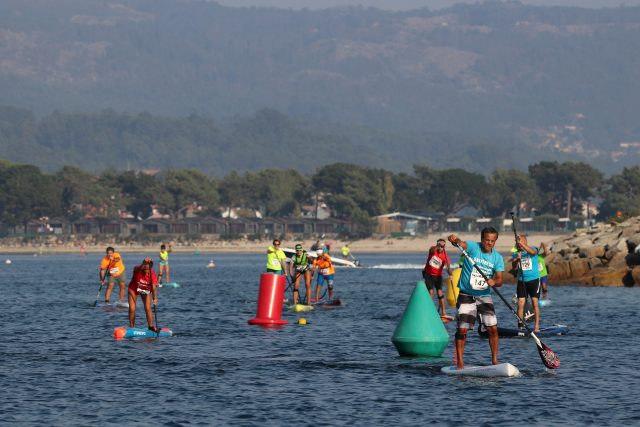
column 477, row 86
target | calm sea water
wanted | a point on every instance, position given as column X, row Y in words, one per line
column 61, row 366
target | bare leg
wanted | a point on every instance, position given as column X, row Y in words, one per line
column 307, row 284
column 132, row 309
column 521, row 302
column 461, row 338
column 317, row 293
column 296, row 285
column 493, row 343
column 441, row 302
column 536, row 311
column 146, row 299
column 122, row 292
column 166, row 269
column 330, row 292
column 107, row 294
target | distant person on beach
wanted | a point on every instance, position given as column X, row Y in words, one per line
column 164, row 263
column 276, row 258
column 475, row 293
column 525, row 260
column 437, row 260
column 542, row 269
column 324, row 267
column 143, row 283
column 316, row 246
column 112, row 270
column 301, row 266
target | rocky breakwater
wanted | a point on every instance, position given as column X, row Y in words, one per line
column 602, row 255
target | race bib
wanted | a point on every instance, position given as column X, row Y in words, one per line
column 324, row 271
column 114, row 271
column 435, row 262
column 275, row 262
column 143, row 291
column 477, row 281
column 302, row 268
column 526, row 264
column 540, row 268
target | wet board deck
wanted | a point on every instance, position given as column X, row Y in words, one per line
column 334, row 303
column 519, row 333
column 123, row 332
column 500, row 370
column 300, row 308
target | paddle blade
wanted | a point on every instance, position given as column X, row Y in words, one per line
column 548, row 356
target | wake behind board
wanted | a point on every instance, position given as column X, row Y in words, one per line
column 523, row 333
column 122, row 333
column 311, row 254
column 501, row 370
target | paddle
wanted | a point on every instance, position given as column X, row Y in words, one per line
column 549, row 358
column 153, row 307
column 106, row 275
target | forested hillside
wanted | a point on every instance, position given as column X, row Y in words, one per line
column 473, row 78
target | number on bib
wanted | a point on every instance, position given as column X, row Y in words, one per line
column 114, row 271
column 435, row 262
column 324, row 271
column 526, row 264
column 477, row 281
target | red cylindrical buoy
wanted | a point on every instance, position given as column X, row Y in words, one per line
column 270, row 299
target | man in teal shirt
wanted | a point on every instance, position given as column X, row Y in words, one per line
column 525, row 259
column 475, row 293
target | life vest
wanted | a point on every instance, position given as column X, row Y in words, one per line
column 301, row 263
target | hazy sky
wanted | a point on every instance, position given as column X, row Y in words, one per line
column 413, row 4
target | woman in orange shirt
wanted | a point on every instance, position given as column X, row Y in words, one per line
column 324, row 266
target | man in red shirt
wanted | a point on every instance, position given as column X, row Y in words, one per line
column 437, row 260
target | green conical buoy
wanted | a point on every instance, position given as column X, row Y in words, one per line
column 420, row 331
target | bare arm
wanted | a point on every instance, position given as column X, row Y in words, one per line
column 455, row 240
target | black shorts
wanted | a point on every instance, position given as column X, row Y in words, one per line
column 530, row 288
column 432, row 281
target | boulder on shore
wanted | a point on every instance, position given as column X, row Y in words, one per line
column 602, row 255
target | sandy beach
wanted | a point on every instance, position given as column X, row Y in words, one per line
column 372, row 245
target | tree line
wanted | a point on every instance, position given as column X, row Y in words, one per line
column 351, row 191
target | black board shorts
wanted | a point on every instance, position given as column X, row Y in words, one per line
column 531, row 288
column 432, row 281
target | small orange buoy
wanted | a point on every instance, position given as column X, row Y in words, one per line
column 119, row 333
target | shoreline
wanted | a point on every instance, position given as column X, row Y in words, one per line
column 418, row 244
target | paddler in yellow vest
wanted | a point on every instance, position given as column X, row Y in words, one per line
column 276, row 259
column 346, row 252
column 301, row 266
column 164, row 263
column 112, row 269
column 324, row 266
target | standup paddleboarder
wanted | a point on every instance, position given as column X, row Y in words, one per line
column 276, row 258
column 112, row 268
column 143, row 283
column 437, row 260
column 324, row 266
column 164, row 262
column 525, row 260
column 542, row 269
column 301, row 266
column 475, row 293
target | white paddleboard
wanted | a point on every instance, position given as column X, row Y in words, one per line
column 311, row 254
column 501, row 370
column 121, row 304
